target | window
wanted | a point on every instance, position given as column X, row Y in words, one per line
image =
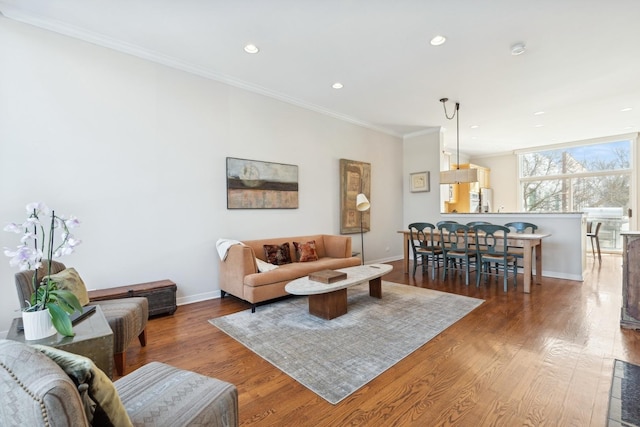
column 592, row 178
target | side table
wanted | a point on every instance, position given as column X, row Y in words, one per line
column 93, row 339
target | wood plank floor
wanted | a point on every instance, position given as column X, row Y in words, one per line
column 544, row 358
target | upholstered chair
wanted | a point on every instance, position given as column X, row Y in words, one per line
column 127, row 317
column 42, row 386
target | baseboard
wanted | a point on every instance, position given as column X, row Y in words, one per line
column 198, row 297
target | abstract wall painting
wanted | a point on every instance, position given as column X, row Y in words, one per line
column 254, row 184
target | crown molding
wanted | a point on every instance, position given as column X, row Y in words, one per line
column 11, row 12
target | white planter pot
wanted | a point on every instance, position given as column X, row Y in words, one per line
column 37, row 324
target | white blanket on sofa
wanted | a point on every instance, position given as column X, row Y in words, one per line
column 223, row 245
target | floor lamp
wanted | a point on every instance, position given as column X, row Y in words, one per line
column 362, row 205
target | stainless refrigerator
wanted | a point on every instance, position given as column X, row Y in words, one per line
column 486, row 200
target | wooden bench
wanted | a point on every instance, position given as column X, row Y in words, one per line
column 161, row 295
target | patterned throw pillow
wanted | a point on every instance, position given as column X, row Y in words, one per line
column 306, row 251
column 277, row 254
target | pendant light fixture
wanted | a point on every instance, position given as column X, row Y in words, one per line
column 457, row 175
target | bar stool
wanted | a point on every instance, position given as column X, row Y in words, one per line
column 593, row 235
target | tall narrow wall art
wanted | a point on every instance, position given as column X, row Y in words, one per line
column 355, row 177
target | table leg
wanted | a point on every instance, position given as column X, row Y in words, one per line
column 329, row 305
column 538, row 249
column 406, row 238
column 528, row 268
column 375, row 287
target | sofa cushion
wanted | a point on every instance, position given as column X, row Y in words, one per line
column 295, row 270
column 306, row 252
column 277, row 254
column 160, row 395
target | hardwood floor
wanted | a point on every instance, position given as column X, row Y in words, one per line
column 545, row 358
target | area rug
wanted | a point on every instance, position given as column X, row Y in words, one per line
column 334, row 358
column 624, row 399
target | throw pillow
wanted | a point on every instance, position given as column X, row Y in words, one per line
column 264, row 266
column 100, row 398
column 277, row 254
column 70, row 280
column 306, row 251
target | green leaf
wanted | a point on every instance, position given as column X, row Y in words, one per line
column 66, row 300
column 60, row 320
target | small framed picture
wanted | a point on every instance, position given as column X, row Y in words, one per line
column 419, row 182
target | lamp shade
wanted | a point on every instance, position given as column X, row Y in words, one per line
column 455, row 176
column 362, row 203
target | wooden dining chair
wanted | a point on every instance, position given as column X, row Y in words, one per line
column 520, row 228
column 454, row 240
column 474, row 223
column 425, row 250
column 593, row 236
column 492, row 251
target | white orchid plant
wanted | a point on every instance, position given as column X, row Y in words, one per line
column 31, row 253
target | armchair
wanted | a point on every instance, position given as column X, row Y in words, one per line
column 127, row 317
column 38, row 388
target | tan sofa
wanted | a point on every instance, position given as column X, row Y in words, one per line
column 239, row 275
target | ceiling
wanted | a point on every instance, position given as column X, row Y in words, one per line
column 581, row 65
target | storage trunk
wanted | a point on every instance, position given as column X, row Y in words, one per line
column 161, row 295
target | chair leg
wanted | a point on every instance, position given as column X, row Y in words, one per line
column 505, row 274
column 466, row 272
column 143, row 337
column 598, row 246
column 119, row 359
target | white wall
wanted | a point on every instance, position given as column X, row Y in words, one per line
column 504, row 180
column 137, row 151
column 421, row 153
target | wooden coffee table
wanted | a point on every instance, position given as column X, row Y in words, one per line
column 329, row 300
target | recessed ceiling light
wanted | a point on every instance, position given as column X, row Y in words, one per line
column 627, row 127
column 518, row 49
column 538, row 113
column 438, row 40
column 337, row 85
column 474, row 126
column 539, row 126
column 626, row 109
column 251, row 48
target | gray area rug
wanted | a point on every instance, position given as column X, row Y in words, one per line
column 334, row 358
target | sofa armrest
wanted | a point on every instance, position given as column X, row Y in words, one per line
column 337, row 246
column 240, row 261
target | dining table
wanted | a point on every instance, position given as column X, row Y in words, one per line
column 530, row 242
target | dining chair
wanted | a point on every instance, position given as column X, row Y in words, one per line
column 593, row 236
column 520, row 227
column 492, row 250
column 454, row 240
column 445, row 222
column 424, row 247
column 474, row 223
